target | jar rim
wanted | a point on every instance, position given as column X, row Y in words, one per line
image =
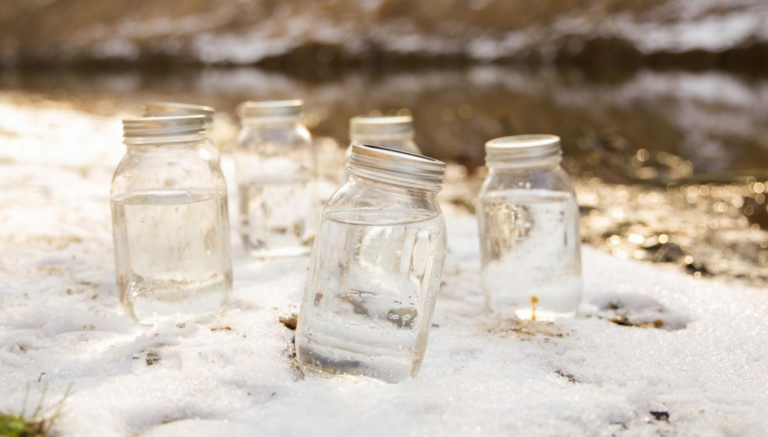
column 270, row 108
column 519, row 148
column 363, row 125
column 397, row 167
column 163, row 127
column 166, row 109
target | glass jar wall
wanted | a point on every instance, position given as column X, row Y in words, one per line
column 375, row 269
column 529, row 230
column 169, row 109
column 170, row 223
column 275, row 171
column 390, row 132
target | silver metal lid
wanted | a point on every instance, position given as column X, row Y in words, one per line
column 163, row 126
column 275, row 108
column 522, row 148
column 170, row 109
column 386, row 125
column 396, row 167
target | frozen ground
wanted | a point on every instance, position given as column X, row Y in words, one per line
column 705, row 372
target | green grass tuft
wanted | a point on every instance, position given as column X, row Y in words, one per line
column 39, row 424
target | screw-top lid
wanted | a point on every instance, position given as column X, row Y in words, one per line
column 163, row 126
column 275, row 108
column 170, row 109
column 522, row 148
column 387, row 125
column 396, row 167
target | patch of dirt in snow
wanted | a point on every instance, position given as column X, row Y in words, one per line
column 524, row 330
column 636, row 310
column 290, row 353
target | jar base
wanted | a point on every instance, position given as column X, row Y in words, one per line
column 178, row 319
column 356, row 378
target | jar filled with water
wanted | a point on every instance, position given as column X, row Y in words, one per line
column 375, row 269
column 170, row 223
column 275, row 172
column 529, row 230
column 170, row 109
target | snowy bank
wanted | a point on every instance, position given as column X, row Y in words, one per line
column 701, row 370
column 246, row 32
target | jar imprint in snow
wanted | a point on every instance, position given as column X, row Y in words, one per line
column 529, row 230
column 170, row 223
column 275, row 172
column 169, row 109
column 375, row 269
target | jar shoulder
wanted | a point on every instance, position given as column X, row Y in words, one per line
column 403, row 145
column 167, row 170
column 550, row 179
column 382, row 197
column 294, row 136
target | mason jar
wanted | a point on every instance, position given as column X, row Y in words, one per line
column 170, row 223
column 275, row 172
column 375, row 269
column 169, row 109
column 529, row 230
column 390, row 132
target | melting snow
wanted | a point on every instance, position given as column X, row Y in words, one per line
column 704, row 374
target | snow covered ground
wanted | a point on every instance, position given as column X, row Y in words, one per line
column 704, row 372
column 245, row 32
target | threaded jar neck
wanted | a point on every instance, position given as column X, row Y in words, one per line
column 270, row 111
column 520, row 151
column 398, row 126
column 164, row 130
column 395, row 167
column 171, row 109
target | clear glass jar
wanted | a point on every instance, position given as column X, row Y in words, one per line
column 169, row 109
column 170, row 223
column 529, row 230
column 275, row 173
column 375, row 269
column 390, row 132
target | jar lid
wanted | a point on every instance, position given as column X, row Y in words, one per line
column 166, row 109
column 395, row 166
column 274, row 108
column 385, row 125
column 522, row 148
column 163, row 126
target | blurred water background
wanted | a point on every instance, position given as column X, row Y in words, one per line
column 662, row 105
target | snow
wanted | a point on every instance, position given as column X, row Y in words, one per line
column 673, row 26
column 60, row 322
column 244, row 32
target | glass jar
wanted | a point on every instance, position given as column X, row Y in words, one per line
column 170, row 223
column 529, row 230
column 169, row 109
column 275, row 172
column 375, row 269
column 390, row 132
